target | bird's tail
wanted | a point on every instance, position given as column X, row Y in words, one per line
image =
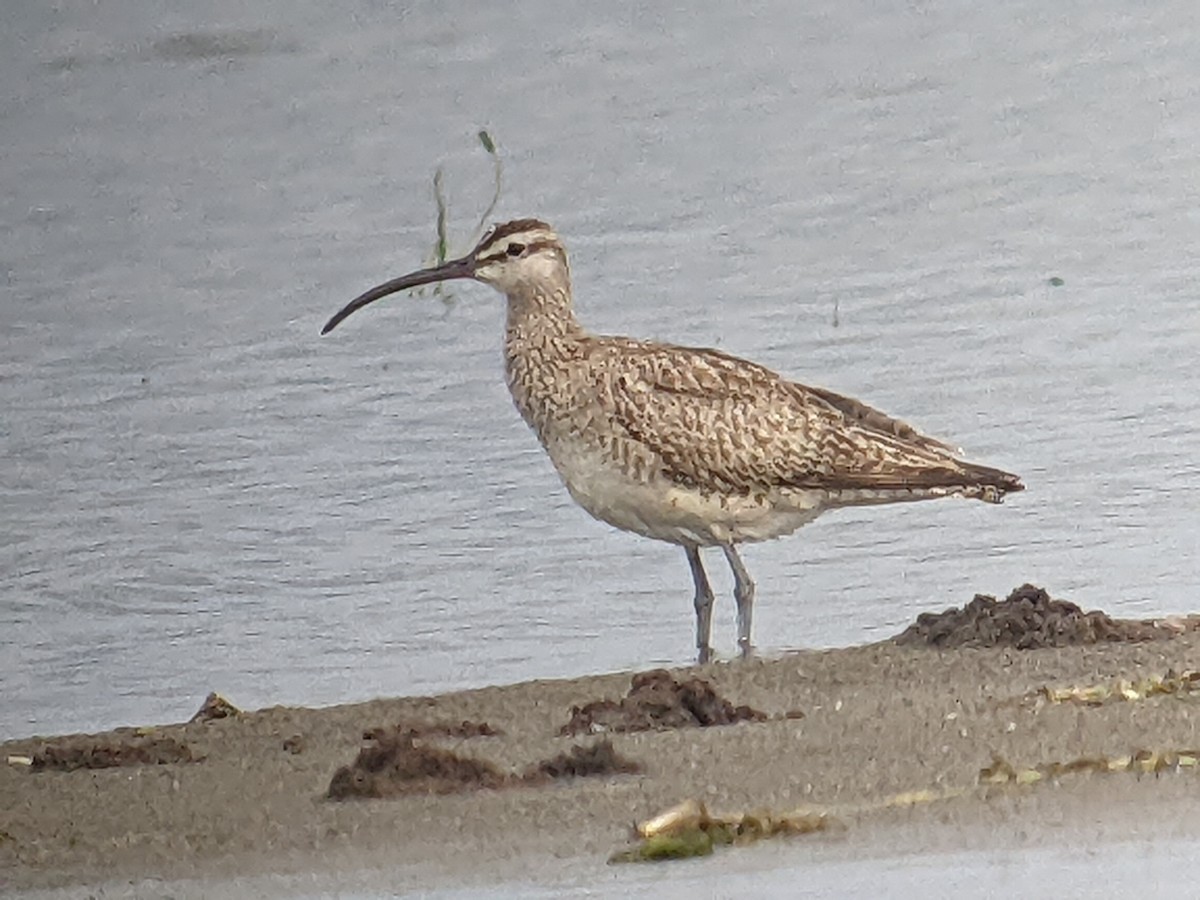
column 988, row 484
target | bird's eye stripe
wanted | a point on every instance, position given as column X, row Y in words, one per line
column 498, row 254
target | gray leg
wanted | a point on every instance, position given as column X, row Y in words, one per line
column 704, row 603
column 743, row 593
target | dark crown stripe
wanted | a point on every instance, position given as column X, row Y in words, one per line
column 508, row 229
column 500, row 233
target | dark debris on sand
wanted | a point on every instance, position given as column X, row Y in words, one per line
column 658, row 700
column 1027, row 619
column 464, row 729
column 109, row 751
column 214, row 708
column 398, row 761
column 600, row 758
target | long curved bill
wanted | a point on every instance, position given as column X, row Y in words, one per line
column 456, row 268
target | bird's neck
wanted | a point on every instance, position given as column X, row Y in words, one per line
column 541, row 340
column 541, row 313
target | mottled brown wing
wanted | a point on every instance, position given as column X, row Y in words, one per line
column 875, row 420
column 729, row 425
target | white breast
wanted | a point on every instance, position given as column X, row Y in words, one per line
column 658, row 508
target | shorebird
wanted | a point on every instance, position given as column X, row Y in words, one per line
column 687, row 445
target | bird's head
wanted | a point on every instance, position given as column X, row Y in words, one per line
column 510, row 256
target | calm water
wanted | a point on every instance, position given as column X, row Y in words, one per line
column 200, row 493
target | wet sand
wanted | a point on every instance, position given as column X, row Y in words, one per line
column 889, row 740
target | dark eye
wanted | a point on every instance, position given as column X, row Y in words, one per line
column 515, row 249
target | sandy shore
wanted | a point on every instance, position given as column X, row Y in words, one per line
column 845, row 732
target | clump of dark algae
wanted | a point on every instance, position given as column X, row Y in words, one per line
column 109, row 751
column 597, row 759
column 1027, row 619
column 657, row 700
column 398, row 761
column 464, row 730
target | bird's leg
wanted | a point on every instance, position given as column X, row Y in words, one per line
column 743, row 593
column 704, row 603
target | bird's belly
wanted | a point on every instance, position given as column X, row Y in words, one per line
column 658, row 508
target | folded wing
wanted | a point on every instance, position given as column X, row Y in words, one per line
column 720, row 423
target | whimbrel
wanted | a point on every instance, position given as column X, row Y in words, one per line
column 688, row 445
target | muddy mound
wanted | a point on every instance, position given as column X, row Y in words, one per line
column 657, row 700
column 1025, row 620
column 109, row 751
column 397, row 761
